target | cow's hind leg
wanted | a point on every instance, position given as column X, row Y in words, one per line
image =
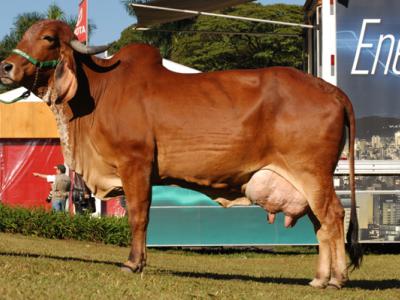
column 136, row 184
column 337, row 245
column 327, row 216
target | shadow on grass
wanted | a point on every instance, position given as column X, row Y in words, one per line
column 362, row 284
column 374, row 284
column 232, row 250
column 62, row 258
column 216, row 276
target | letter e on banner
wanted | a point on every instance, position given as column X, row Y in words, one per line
column 81, row 25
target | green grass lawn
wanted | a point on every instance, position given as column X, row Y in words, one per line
column 37, row 268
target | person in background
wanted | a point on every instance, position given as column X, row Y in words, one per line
column 122, row 202
column 60, row 187
column 82, row 196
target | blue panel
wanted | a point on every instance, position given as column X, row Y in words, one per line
column 180, row 217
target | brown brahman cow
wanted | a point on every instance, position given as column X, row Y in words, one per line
column 274, row 134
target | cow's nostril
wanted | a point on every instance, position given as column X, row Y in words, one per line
column 7, row 67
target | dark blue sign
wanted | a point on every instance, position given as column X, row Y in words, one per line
column 368, row 62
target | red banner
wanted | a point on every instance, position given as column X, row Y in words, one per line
column 81, row 27
column 19, row 158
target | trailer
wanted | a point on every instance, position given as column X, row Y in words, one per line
column 355, row 46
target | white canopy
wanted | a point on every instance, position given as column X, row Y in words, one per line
column 13, row 94
column 173, row 66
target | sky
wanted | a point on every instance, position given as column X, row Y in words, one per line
column 109, row 16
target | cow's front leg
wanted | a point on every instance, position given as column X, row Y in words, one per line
column 137, row 187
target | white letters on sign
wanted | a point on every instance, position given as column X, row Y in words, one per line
column 362, row 46
column 80, row 30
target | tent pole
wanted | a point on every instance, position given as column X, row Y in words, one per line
column 193, row 12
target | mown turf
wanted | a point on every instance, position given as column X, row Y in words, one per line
column 36, row 268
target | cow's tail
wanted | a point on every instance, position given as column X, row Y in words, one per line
column 353, row 247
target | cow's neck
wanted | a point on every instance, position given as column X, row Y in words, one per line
column 62, row 119
column 70, row 114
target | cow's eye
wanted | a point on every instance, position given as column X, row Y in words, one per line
column 49, row 38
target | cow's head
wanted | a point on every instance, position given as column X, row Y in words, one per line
column 43, row 61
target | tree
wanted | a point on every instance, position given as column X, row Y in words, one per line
column 161, row 38
column 214, row 49
column 54, row 12
column 21, row 24
column 276, row 45
column 24, row 21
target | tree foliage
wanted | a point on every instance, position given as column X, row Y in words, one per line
column 161, row 37
column 277, row 45
column 211, row 47
column 20, row 25
column 24, row 21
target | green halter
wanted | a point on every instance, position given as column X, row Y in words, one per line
column 38, row 64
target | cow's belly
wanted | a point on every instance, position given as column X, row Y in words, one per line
column 217, row 164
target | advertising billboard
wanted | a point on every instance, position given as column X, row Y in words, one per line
column 368, row 70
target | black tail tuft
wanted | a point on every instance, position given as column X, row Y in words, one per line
column 354, row 249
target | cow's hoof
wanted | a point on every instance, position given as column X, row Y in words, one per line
column 223, row 202
column 332, row 287
column 126, row 269
column 335, row 284
column 130, row 267
column 318, row 283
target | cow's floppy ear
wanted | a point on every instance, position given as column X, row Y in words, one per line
column 65, row 81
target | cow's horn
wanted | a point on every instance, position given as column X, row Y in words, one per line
column 81, row 48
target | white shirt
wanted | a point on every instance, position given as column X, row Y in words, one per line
column 51, row 178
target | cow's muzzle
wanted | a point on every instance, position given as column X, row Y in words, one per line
column 6, row 69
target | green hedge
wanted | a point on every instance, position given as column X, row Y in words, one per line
column 38, row 222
